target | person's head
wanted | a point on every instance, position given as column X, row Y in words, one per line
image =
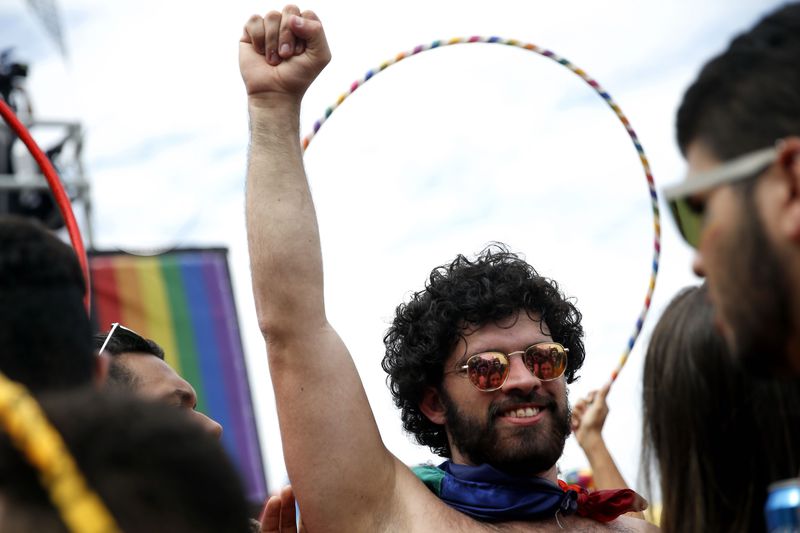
column 716, row 435
column 45, row 333
column 154, row 470
column 547, row 370
column 495, row 380
column 739, row 205
column 138, row 365
column 444, row 345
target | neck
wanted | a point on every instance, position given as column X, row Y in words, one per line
column 551, row 474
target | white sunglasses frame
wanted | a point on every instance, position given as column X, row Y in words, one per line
column 734, row 170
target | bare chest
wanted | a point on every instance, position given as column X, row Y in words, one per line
column 454, row 521
column 563, row 524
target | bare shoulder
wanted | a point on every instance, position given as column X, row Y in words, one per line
column 417, row 509
column 628, row 523
column 623, row 524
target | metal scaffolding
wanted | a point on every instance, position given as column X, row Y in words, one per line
column 66, row 157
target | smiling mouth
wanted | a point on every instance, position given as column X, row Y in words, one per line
column 521, row 412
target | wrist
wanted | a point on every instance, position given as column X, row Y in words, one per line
column 272, row 103
column 592, row 441
column 271, row 116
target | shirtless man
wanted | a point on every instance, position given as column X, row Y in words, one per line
column 342, row 474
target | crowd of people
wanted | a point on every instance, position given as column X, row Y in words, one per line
column 478, row 359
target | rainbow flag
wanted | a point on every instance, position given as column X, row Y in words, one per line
column 183, row 300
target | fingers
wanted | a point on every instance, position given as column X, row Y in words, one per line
column 590, row 412
column 271, row 516
column 282, row 52
column 578, row 410
column 300, row 45
column 281, row 35
column 286, row 36
column 272, row 24
column 262, row 33
column 254, row 33
column 288, row 516
column 278, row 515
column 639, row 503
column 598, row 408
column 603, row 392
column 309, row 28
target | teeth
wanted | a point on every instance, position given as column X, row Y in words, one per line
column 525, row 412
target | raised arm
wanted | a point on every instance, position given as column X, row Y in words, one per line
column 588, row 418
column 341, row 473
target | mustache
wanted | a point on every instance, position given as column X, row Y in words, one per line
column 518, row 400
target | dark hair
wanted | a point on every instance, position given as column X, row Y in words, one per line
column 747, row 98
column 125, row 341
column 45, row 333
column 155, row 470
column 496, row 285
column 718, row 436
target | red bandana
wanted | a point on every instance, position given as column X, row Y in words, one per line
column 605, row 505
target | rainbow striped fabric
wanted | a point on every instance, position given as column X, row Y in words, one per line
column 183, row 300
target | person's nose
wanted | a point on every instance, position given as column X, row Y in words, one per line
column 520, row 378
column 209, row 424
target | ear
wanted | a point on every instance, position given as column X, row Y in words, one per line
column 101, row 365
column 432, row 406
column 789, row 160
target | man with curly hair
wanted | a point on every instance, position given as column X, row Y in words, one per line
column 479, row 310
column 493, row 315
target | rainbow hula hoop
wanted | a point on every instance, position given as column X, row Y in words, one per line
column 599, row 90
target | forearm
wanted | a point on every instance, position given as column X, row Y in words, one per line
column 315, row 382
column 604, row 470
column 283, row 236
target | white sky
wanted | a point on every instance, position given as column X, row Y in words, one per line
column 437, row 155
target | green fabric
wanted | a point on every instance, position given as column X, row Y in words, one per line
column 431, row 475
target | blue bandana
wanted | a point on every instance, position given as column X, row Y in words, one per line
column 489, row 495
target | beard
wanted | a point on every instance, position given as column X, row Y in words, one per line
column 755, row 298
column 521, row 450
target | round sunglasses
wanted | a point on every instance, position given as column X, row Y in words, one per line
column 488, row 371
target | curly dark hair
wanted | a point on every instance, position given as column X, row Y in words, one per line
column 495, row 285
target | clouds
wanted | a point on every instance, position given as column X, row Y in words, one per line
column 438, row 155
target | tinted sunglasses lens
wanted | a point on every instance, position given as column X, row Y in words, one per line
column 547, row 360
column 689, row 218
column 487, row 371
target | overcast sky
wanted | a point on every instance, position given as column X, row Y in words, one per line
column 438, row 155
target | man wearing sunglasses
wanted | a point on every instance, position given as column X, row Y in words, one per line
column 465, row 356
column 137, row 364
column 739, row 129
